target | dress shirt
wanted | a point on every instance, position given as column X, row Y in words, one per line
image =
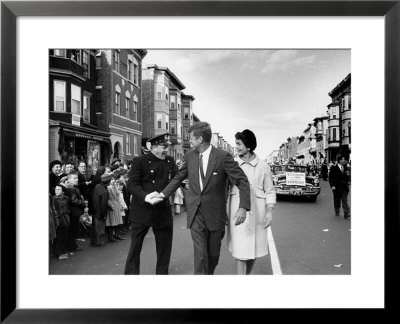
column 206, row 156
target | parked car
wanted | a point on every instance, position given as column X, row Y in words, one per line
column 294, row 180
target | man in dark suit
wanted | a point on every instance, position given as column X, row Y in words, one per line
column 149, row 173
column 83, row 182
column 339, row 182
column 208, row 170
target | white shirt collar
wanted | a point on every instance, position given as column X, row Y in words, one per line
column 206, row 153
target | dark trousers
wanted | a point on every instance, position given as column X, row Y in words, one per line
column 73, row 233
column 340, row 198
column 163, row 237
column 206, row 245
column 60, row 242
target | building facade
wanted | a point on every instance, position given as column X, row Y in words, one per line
column 187, row 120
column 339, row 122
column 321, row 127
column 119, row 99
column 162, row 106
column 75, row 133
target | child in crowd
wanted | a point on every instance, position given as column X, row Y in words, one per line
column 100, row 210
column 114, row 216
column 62, row 206
column 124, row 207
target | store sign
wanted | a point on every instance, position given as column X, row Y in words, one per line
column 90, row 137
column 295, row 178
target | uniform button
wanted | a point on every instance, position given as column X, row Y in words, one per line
column 151, row 171
column 153, row 181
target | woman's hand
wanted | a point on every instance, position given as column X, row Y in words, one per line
column 268, row 218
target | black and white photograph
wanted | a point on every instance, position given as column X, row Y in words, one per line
column 192, row 162
column 199, row 161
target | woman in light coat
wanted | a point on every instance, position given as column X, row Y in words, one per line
column 248, row 240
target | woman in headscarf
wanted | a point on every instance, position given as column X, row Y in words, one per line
column 248, row 240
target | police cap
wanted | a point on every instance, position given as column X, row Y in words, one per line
column 162, row 139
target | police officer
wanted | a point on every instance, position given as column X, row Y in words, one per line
column 149, row 173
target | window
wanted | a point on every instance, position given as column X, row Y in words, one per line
column 179, row 103
column 98, row 100
column 130, row 70
column 334, row 112
column 98, row 60
column 159, row 91
column 117, row 108
column 116, row 61
column 76, row 56
column 128, row 143
column 59, row 96
column 179, row 128
column 186, row 112
column 136, row 74
column 85, row 64
column 135, row 146
column 159, row 121
column 173, row 127
column 135, row 105
column 166, row 122
column 60, row 52
column 86, row 108
column 75, row 100
column 349, row 101
column 172, row 104
column 334, row 134
column 186, row 135
column 127, row 104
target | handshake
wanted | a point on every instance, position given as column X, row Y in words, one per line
column 154, row 198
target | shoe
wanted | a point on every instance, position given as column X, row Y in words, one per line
column 112, row 240
column 63, row 256
column 119, row 237
column 98, row 245
column 337, row 214
column 347, row 216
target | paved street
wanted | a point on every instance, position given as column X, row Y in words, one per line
column 309, row 239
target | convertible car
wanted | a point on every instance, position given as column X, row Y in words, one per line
column 294, row 180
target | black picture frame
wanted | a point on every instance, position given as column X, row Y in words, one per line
column 10, row 10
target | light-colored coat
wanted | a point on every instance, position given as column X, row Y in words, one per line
column 249, row 240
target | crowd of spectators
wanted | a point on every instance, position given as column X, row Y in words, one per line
column 87, row 204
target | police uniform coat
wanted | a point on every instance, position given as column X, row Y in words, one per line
column 148, row 174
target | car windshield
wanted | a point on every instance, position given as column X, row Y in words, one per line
column 296, row 168
column 278, row 169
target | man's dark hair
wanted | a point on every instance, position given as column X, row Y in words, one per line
column 69, row 175
column 81, row 162
column 201, row 129
column 339, row 157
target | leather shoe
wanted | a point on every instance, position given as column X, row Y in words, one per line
column 346, row 216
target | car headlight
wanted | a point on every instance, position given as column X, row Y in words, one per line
column 316, row 181
column 275, row 180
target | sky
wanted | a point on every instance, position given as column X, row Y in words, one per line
column 274, row 93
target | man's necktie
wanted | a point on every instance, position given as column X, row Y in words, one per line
column 201, row 169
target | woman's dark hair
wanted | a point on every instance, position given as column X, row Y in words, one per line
column 53, row 163
column 201, row 129
column 248, row 138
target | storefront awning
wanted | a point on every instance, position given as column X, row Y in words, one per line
column 92, row 137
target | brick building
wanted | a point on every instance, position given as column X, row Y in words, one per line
column 187, row 119
column 119, row 99
column 339, row 122
column 74, row 131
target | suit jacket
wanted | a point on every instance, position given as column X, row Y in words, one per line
column 82, row 186
column 339, row 179
column 212, row 200
column 148, row 174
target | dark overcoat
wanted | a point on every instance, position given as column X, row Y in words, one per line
column 77, row 204
column 62, row 206
column 339, row 179
column 148, row 174
column 100, row 202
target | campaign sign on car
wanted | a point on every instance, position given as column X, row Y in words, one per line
column 295, row 179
